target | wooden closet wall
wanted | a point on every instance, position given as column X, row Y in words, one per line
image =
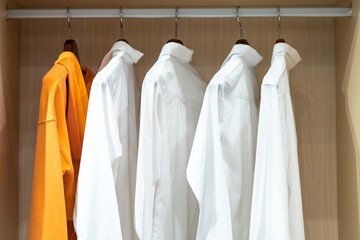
column 9, row 126
column 312, row 87
column 327, row 112
column 348, row 123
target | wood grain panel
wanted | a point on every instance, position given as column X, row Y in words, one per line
column 312, row 86
column 182, row 3
column 348, row 123
column 9, row 126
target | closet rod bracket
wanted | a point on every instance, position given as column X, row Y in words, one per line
column 7, row 13
column 350, row 12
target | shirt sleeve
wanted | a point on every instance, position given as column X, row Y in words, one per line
column 149, row 156
column 96, row 214
column 270, row 205
column 205, row 171
column 48, row 208
column 48, row 213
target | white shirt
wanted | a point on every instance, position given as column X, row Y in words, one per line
column 172, row 94
column 106, row 184
column 276, row 212
column 221, row 164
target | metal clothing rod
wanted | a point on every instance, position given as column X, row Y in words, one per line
column 182, row 12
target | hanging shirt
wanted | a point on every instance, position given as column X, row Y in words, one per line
column 172, row 94
column 62, row 114
column 221, row 165
column 276, row 212
column 88, row 78
column 106, row 185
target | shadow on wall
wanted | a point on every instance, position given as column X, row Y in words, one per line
column 348, row 124
column 9, row 119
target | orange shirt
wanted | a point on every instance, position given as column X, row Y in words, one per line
column 62, row 115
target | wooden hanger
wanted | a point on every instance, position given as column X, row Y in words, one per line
column 70, row 44
column 280, row 39
column 241, row 40
column 176, row 40
column 122, row 29
column 123, row 40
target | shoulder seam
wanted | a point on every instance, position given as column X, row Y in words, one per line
column 46, row 121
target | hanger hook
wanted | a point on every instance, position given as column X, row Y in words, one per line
column 121, row 24
column 239, row 22
column 176, row 22
column 279, row 23
column 68, row 20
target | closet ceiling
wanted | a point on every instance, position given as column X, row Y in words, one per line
column 182, row 3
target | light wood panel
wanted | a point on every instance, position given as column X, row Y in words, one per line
column 182, row 3
column 312, row 86
column 348, row 123
column 9, row 129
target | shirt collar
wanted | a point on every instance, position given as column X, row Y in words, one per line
column 177, row 50
column 75, row 80
column 247, row 52
column 291, row 55
column 134, row 54
column 68, row 58
column 71, row 63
